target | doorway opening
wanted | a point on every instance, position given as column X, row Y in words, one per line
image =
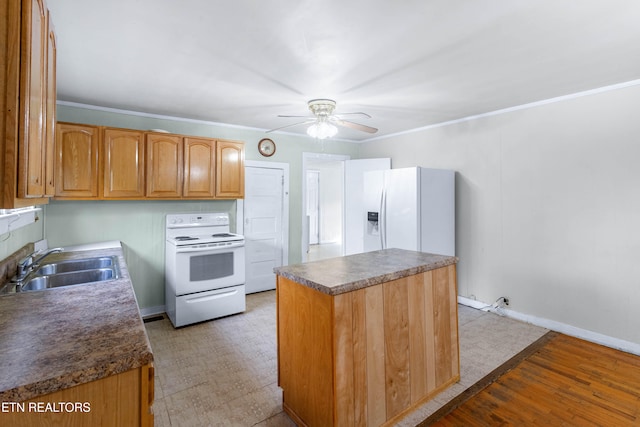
column 323, row 202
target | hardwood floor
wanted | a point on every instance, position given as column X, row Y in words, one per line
column 564, row 381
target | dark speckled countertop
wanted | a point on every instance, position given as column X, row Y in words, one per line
column 349, row 273
column 58, row 338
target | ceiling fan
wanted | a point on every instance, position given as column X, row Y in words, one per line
column 323, row 121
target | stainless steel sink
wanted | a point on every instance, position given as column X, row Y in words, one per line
column 76, row 265
column 71, row 278
column 70, row 272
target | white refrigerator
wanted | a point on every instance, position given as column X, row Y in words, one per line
column 410, row 208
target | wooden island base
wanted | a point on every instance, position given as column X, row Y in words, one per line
column 367, row 356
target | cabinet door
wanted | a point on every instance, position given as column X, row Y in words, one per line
column 229, row 169
column 164, row 165
column 33, row 81
column 77, row 160
column 123, row 164
column 50, row 131
column 199, row 168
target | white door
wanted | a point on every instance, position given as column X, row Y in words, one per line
column 263, row 226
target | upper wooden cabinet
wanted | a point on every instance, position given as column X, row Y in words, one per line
column 131, row 164
column 229, row 169
column 33, row 92
column 123, row 164
column 77, row 149
column 50, row 131
column 194, row 168
column 199, row 168
column 164, row 165
column 27, row 101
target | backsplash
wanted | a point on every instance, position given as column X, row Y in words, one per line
column 8, row 265
column 15, row 240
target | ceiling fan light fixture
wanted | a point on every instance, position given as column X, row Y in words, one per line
column 322, row 130
column 322, row 125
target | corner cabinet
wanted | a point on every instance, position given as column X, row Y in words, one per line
column 27, row 98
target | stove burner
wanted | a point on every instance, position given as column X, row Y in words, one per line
column 182, row 238
column 222, row 235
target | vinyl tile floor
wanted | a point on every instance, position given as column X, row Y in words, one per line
column 224, row 372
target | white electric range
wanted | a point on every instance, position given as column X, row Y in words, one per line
column 204, row 268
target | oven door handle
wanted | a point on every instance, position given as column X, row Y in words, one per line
column 211, row 297
column 209, row 248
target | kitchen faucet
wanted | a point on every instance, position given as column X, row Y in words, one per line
column 27, row 264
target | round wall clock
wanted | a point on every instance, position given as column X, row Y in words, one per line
column 266, row 147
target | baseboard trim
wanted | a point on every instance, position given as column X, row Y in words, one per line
column 152, row 311
column 606, row 340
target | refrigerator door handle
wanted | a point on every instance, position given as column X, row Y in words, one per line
column 383, row 218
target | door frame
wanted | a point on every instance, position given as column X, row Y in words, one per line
column 285, row 204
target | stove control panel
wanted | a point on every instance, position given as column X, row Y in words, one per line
column 197, row 220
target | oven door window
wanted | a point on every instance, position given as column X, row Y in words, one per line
column 210, row 266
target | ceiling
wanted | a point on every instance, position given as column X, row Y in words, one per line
column 407, row 63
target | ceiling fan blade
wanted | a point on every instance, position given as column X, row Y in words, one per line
column 310, row 120
column 282, row 115
column 358, row 113
column 352, row 125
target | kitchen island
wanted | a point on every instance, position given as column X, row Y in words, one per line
column 75, row 355
column 364, row 339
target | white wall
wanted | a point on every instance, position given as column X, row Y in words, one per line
column 548, row 206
